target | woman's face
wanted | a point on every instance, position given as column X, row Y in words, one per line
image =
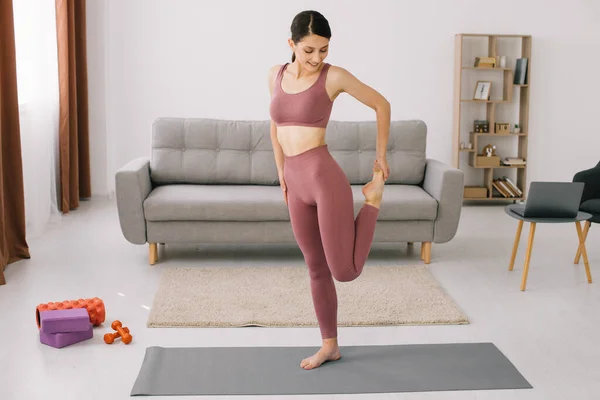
column 311, row 51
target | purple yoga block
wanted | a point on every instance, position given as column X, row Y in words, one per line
column 63, row 339
column 60, row 321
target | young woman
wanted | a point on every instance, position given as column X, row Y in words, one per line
column 315, row 188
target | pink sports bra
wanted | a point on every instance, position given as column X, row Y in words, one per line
column 311, row 107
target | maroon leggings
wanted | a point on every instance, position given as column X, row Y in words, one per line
column 321, row 210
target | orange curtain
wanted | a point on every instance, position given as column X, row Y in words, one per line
column 13, row 245
column 74, row 153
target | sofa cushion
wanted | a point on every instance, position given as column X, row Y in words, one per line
column 353, row 145
column 214, row 151
column 265, row 203
column 215, row 203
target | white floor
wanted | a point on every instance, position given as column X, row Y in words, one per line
column 550, row 332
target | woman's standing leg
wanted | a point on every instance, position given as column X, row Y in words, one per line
column 306, row 231
column 305, row 226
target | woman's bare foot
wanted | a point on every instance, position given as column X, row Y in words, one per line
column 330, row 351
column 373, row 191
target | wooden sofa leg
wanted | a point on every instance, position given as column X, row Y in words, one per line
column 153, row 253
column 426, row 250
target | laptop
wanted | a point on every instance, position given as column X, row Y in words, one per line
column 551, row 200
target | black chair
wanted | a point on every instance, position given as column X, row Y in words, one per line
column 590, row 201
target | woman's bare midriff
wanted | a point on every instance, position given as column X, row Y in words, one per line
column 298, row 139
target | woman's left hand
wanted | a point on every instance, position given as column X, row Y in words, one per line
column 382, row 162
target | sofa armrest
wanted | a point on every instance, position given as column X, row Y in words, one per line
column 446, row 185
column 132, row 187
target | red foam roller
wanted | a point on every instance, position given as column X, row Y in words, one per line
column 94, row 306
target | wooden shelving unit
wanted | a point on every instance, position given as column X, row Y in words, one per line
column 467, row 46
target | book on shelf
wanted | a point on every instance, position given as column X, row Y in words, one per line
column 513, row 161
column 485, row 62
column 512, row 185
column 500, row 189
column 506, row 188
column 521, row 72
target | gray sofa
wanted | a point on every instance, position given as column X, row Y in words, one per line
column 215, row 181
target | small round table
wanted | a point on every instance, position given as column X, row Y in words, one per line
column 581, row 216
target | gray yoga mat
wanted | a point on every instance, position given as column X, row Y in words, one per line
column 362, row 369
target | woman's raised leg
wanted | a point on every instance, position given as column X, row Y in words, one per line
column 346, row 241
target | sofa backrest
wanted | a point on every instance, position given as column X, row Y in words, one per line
column 215, row 151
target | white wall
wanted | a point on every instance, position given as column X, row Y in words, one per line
column 194, row 58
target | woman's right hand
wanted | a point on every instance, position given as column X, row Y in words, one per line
column 283, row 187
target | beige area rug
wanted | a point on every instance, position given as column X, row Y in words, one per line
column 281, row 297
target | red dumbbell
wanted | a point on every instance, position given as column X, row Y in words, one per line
column 125, row 335
column 109, row 338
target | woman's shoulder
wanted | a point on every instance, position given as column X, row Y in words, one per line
column 272, row 74
column 335, row 72
column 336, row 69
column 275, row 68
